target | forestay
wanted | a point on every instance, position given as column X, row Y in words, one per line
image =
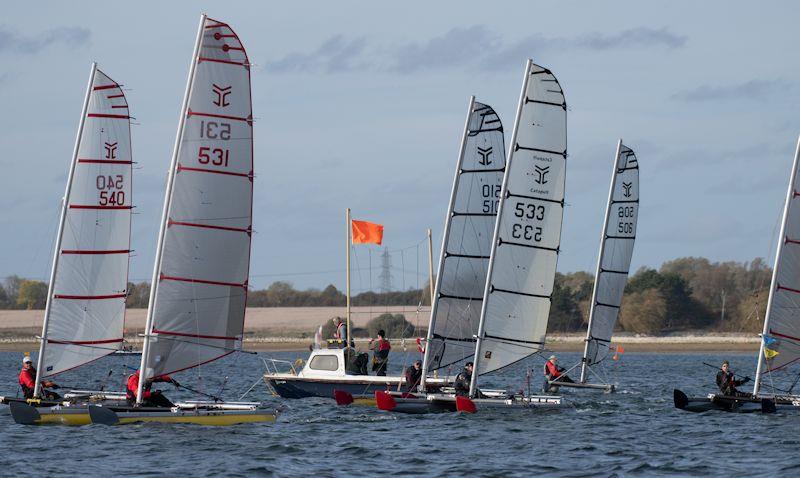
column 528, row 230
column 469, row 226
column 616, row 250
column 199, row 304
column 781, row 344
column 89, row 286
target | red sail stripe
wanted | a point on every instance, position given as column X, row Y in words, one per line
column 105, row 87
column 202, row 59
column 93, row 252
column 115, row 96
column 791, row 241
column 90, row 297
column 779, row 287
column 214, row 171
column 79, row 206
column 83, row 342
column 103, row 161
column 202, row 281
column 212, row 115
column 196, row 336
column 119, row 106
column 100, row 115
column 208, row 226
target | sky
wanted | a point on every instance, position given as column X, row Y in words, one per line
column 362, row 105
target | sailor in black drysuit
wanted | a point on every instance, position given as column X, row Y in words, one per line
column 462, row 381
column 727, row 382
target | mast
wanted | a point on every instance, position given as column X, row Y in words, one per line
column 165, row 214
column 503, row 189
column 790, row 194
column 347, row 267
column 584, row 360
column 445, row 235
column 59, row 237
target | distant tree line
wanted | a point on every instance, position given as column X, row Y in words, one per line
column 684, row 294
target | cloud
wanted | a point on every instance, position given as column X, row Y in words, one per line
column 752, row 90
column 12, row 41
column 466, row 47
column 337, row 54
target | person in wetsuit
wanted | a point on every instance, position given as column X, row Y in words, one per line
column 27, row 381
column 462, row 381
column 727, row 383
column 554, row 373
column 413, row 376
column 151, row 399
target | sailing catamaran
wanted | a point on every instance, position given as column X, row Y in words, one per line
column 85, row 311
column 455, row 310
column 199, row 287
column 523, row 253
column 613, row 264
column 780, row 340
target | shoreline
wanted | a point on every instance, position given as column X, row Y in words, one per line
column 261, row 342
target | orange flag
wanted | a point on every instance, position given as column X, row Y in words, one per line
column 367, row 232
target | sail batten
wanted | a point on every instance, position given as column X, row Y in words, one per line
column 527, row 233
column 614, row 260
column 469, row 225
column 85, row 313
column 204, row 253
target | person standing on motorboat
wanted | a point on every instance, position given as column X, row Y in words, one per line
column 554, row 373
column 413, row 376
column 151, row 399
column 380, row 353
column 727, row 383
column 27, row 381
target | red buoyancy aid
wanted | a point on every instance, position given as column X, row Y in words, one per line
column 552, row 370
column 27, row 380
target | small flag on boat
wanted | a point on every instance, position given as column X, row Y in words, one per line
column 769, row 340
column 367, row 232
column 769, row 353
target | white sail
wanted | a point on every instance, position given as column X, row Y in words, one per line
column 86, row 309
column 469, row 226
column 528, row 230
column 197, row 311
column 781, row 338
column 616, row 250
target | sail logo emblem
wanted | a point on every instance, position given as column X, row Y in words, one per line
column 222, row 93
column 485, row 153
column 627, row 188
column 111, row 150
column 542, row 172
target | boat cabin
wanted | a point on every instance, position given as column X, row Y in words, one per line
column 325, row 362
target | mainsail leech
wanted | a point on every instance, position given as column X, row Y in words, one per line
column 614, row 261
column 201, row 274
column 467, row 240
column 527, row 236
column 85, row 310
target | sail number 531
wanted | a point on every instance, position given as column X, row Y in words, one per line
column 215, row 156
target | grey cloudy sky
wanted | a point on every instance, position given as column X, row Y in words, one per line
column 361, row 105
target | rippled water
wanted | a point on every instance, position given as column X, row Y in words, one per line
column 633, row 432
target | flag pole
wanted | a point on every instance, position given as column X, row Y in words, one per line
column 347, row 267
